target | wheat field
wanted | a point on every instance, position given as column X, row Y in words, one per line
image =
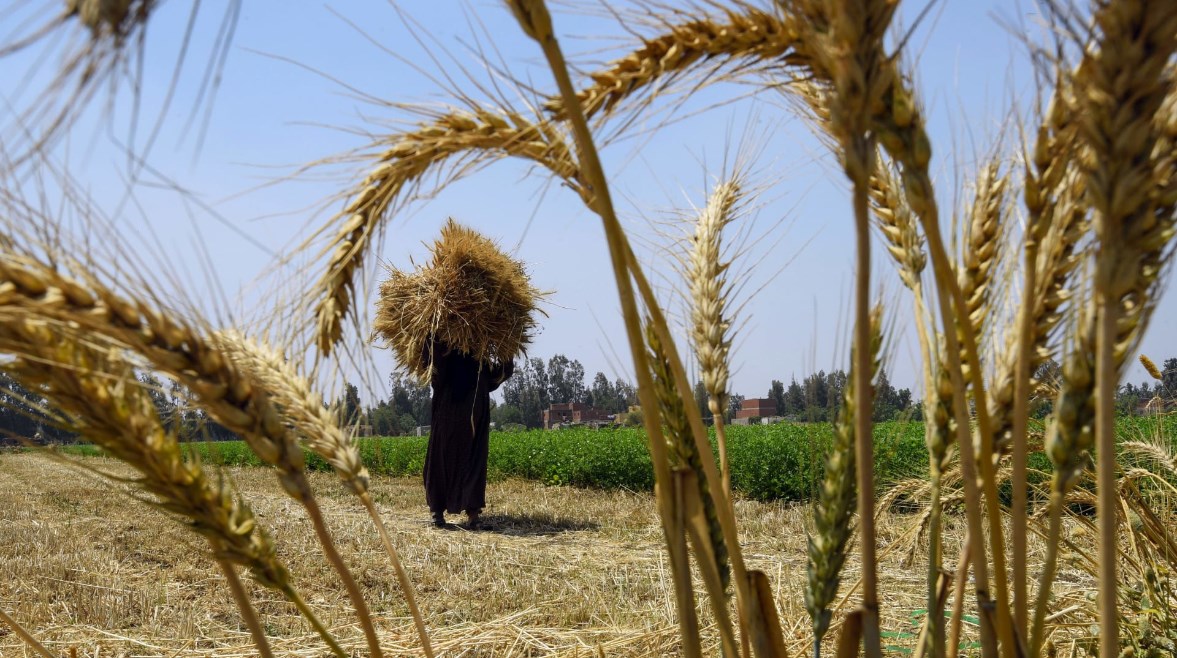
column 566, row 571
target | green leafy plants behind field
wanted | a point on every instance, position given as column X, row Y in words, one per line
column 768, row 462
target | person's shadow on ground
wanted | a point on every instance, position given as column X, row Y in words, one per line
column 532, row 525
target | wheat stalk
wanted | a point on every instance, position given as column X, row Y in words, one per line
column 901, row 132
column 938, row 429
column 322, row 433
column 172, row 346
column 478, row 134
column 1052, row 213
column 1072, row 437
column 836, row 500
column 759, row 622
column 534, row 19
column 685, row 457
column 891, row 201
column 899, row 228
column 96, row 388
column 1121, row 87
column 845, row 39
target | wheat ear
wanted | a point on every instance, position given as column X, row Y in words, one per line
column 1121, row 86
column 321, row 431
column 751, row 34
column 1053, row 227
column 710, row 326
column 983, row 251
column 1151, row 368
column 836, row 500
column 236, row 401
column 536, row 22
column 479, row 135
column 901, row 132
column 96, row 388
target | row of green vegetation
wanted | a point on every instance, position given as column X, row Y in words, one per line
column 768, row 462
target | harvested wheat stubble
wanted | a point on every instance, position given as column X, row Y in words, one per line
column 471, row 297
column 568, row 569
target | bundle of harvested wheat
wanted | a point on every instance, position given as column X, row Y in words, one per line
column 470, row 297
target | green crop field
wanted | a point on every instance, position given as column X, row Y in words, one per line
column 768, row 462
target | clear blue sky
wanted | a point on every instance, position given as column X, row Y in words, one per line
column 271, row 115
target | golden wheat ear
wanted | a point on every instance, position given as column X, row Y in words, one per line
column 318, row 426
column 178, row 349
column 709, row 290
column 321, row 431
column 749, row 35
column 93, row 387
column 1151, row 368
column 984, row 250
column 1122, row 84
column 474, row 136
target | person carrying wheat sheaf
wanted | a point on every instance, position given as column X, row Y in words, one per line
column 459, row 434
column 458, row 322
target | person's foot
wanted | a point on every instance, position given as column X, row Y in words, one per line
column 439, row 520
column 474, row 522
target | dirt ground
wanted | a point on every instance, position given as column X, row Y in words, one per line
column 85, row 566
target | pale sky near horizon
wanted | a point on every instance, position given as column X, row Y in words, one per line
column 282, row 102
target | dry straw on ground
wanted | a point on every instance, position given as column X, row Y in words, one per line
column 471, row 297
column 568, row 569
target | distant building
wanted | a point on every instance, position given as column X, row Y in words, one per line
column 756, row 408
column 1155, row 405
column 573, row 413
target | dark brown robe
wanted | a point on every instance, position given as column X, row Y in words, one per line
column 459, row 432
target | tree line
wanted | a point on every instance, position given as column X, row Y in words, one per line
column 24, row 414
column 536, row 385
